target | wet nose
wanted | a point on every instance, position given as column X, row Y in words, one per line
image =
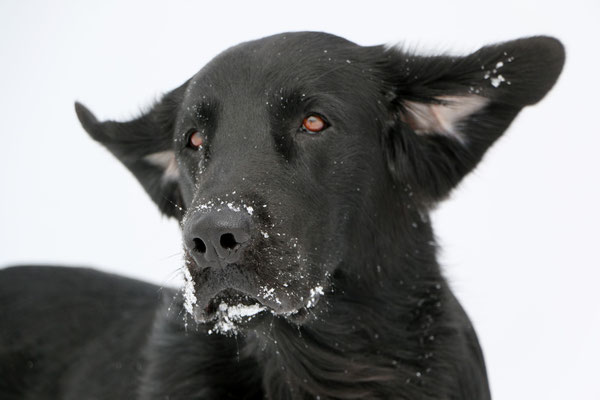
column 217, row 238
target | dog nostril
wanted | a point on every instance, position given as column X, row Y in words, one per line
column 199, row 245
column 228, row 241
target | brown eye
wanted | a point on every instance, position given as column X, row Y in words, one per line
column 195, row 140
column 314, row 124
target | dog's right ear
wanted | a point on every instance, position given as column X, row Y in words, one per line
column 145, row 146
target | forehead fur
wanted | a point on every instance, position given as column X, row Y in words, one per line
column 303, row 58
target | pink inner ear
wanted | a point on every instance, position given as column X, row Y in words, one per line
column 442, row 118
column 166, row 161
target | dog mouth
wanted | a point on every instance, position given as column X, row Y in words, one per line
column 227, row 301
column 228, row 311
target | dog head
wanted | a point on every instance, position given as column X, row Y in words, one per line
column 298, row 156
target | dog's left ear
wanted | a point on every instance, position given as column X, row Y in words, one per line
column 447, row 111
column 145, row 146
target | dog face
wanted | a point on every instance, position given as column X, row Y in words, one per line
column 279, row 161
column 300, row 156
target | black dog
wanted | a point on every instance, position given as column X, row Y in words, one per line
column 302, row 168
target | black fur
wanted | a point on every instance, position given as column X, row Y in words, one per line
column 344, row 210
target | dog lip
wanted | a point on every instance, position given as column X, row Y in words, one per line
column 227, row 298
column 297, row 316
column 229, row 311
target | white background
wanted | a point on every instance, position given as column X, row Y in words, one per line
column 520, row 235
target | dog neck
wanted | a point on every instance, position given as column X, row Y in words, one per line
column 390, row 336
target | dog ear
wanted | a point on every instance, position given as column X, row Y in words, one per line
column 145, row 146
column 447, row 111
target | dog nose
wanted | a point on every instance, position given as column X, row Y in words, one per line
column 217, row 238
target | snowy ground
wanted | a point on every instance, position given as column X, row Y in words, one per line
column 520, row 235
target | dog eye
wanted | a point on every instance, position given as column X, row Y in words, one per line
column 314, row 124
column 195, row 140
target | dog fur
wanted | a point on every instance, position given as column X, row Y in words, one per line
column 341, row 257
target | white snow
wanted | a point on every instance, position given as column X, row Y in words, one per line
column 314, row 296
column 497, row 80
column 189, row 291
column 232, row 207
column 209, row 205
column 228, row 316
column 267, row 292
